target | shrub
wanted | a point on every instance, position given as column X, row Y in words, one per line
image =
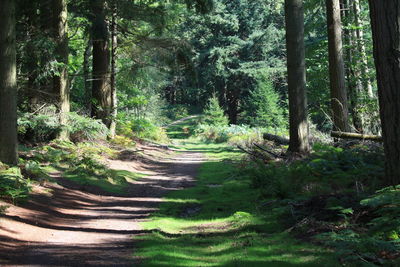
column 40, row 127
column 123, row 141
column 13, row 186
column 45, row 126
column 376, row 240
column 144, row 129
column 385, row 205
column 234, row 134
column 327, row 170
column 83, row 128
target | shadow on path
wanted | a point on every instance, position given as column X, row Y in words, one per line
column 70, row 227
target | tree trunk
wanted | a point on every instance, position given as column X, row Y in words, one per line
column 33, row 59
column 232, row 105
column 336, row 67
column 114, row 44
column 353, row 74
column 101, row 89
column 366, row 82
column 385, row 17
column 298, row 121
column 8, row 84
column 60, row 84
column 87, row 77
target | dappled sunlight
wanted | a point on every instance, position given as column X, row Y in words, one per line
column 222, row 227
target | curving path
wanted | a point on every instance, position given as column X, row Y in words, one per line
column 70, row 227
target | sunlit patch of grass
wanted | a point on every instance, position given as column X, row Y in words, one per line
column 212, row 151
column 223, row 226
column 184, row 129
column 81, row 163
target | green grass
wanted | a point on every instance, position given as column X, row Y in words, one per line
column 184, row 129
column 218, row 223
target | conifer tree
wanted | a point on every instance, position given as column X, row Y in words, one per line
column 214, row 114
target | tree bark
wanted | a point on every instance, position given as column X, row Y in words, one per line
column 299, row 131
column 336, row 67
column 8, row 84
column 114, row 44
column 60, row 84
column 385, row 18
column 101, row 89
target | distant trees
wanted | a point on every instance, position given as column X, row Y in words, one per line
column 294, row 15
column 8, row 84
column 231, row 47
column 385, row 17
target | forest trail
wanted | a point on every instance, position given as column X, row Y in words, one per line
column 69, row 227
column 182, row 120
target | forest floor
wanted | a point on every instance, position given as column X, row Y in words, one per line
column 191, row 207
column 65, row 225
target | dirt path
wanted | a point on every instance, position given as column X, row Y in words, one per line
column 69, row 227
column 182, row 120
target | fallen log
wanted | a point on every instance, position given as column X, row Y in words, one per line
column 346, row 135
column 255, row 155
column 275, row 138
column 266, row 150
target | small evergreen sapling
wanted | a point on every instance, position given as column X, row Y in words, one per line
column 214, row 114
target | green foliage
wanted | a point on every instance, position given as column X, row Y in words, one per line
column 39, row 127
column 218, row 222
column 324, row 192
column 230, row 46
column 176, row 112
column 234, row 134
column 81, row 163
column 83, row 128
column 122, row 141
column 386, row 208
column 45, row 126
column 13, row 186
column 142, row 129
column 214, row 114
column 183, row 129
column 263, row 109
column 33, row 170
column 377, row 240
column 327, row 170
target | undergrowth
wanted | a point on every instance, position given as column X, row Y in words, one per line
column 82, row 163
column 328, row 170
column 218, row 222
column 13, row 186
column 44, row 126
column 332, row 198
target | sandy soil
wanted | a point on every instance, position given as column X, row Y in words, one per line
column 70, row 227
